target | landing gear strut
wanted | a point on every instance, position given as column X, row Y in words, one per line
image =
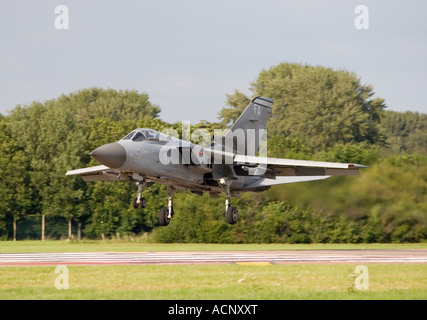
column 139, row 202
column 166, row 214
column 231, row 213
column 163, row 217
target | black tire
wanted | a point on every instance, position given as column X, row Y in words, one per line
column 142, row 203
column 134, row 203
column 163, row 217
column 232, row 215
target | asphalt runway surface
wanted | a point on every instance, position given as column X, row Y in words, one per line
column 216, row 257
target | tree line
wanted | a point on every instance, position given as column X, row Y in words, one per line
column 319, row 114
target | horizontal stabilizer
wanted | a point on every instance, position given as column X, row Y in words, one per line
column 265, row 182
column 294, row 163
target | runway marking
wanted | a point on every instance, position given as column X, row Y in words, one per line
column 215, row 257
column 254, row 263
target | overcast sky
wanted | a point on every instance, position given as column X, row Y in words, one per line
column 188, row 54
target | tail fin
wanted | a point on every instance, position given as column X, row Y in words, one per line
column 245, row 133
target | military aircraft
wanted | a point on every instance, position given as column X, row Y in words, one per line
column 234, row 163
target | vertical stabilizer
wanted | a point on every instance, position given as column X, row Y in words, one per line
column 245, row 134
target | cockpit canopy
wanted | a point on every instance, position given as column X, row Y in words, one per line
column 146, row 134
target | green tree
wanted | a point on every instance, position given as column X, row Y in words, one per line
column 15, row 195
column 406, row 132
column 315, row 105
column 114, row 105
column 393, row 194
column 58, row 135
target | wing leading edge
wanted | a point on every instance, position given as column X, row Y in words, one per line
column 98, row 173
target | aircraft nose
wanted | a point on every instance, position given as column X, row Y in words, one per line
column 112, row 155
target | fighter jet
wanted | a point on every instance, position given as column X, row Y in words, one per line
column 233, row 163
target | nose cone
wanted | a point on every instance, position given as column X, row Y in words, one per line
column 112, row 155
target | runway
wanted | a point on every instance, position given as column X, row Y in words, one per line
column 216, row 257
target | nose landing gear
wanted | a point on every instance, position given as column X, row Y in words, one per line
column 139, row 202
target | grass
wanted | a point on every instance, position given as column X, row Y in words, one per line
column 138, row 245
column 212, row 282
column 208, row 282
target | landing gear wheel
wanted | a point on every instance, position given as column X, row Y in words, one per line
column 142, row 203
column 231, row 215
column 134, row 203
column 163, row 216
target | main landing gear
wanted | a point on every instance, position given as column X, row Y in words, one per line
column 166, row 214
column 231, row 213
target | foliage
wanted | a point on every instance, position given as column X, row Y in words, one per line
column 406, row 132
column 14, row 193
column 45, row 140
column 315, row 105
column 387, row 204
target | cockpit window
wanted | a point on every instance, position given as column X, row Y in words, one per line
column 129, row 136
column 138, row 137
column 151, row 134
column 146, row 134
